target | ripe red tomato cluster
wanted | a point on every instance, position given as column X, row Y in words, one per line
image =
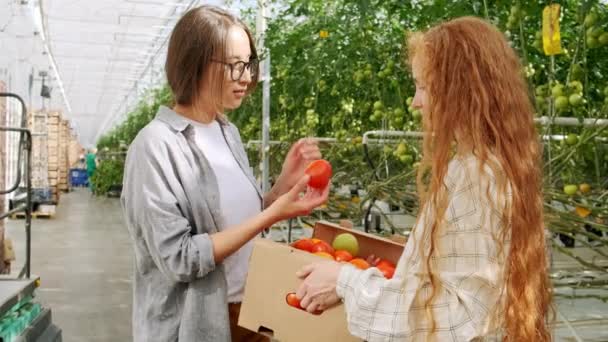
column 323, row 249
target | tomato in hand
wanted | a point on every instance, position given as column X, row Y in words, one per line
column 387, row 270
column 384, row 262
column 292, row 300
column 319, row 172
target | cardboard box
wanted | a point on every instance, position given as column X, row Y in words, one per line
column 272, row 276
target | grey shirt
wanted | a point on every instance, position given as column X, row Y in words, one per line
column 170, row 199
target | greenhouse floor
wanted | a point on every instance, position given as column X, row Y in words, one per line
column 84, row 258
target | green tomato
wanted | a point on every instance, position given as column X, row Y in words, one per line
column 401, row 148
column 539, row 35
column 398, row 112
column 378, row 105
column 592, row 42
column 590, row 19
column 596, row 32
column 603, row 39
column 541, row 90
column 417, row 115
column 561, row 103
column 557, row 90
column 398, row 120
column 571, row 139
column 406, row 158
column 570, row 189
column 576, row 100
column 409, row 101
column 576, row 86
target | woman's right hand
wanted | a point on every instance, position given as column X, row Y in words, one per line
column 292, row 204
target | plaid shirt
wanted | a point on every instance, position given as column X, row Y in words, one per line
column 466, row 262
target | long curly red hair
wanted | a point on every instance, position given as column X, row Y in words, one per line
column 478, row 97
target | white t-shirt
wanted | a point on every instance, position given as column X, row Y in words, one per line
column 239, row 199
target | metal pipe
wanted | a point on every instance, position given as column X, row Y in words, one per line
column 25, row 133
column 563, row 121
column 25, row 147
column 28, row 203
column 391, row 134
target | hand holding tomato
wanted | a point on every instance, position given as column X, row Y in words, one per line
column 317, row 291
column 300, row 155
column 292, row 204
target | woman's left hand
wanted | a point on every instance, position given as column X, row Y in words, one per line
column 300, row 155
column 318, row 289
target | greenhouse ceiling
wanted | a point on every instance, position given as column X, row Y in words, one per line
column 99, row 56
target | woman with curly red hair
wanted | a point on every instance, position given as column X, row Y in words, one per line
column 475, row 265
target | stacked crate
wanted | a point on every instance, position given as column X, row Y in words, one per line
column 53, row 148
column 37, row 122
column 64, row 140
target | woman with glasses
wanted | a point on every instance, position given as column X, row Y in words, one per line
column 190, row 199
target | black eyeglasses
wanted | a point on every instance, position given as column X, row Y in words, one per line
column 238, row 68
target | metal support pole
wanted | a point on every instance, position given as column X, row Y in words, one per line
column 261, row 32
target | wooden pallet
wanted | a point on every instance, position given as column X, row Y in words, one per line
column 44, row 211
column 35, row 215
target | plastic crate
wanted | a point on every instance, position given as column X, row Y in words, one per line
column 78, row 177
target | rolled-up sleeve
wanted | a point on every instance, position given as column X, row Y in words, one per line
column 155, row 216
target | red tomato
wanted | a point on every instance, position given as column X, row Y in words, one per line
column 325, row 255
column 384, row 262
column 292, row 300
column 343, row 256
column 303, row 244
column 360, row 263
column 322, row 246
column 319, row 172
column 387, row 270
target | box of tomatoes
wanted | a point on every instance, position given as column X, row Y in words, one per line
column 271, row 280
